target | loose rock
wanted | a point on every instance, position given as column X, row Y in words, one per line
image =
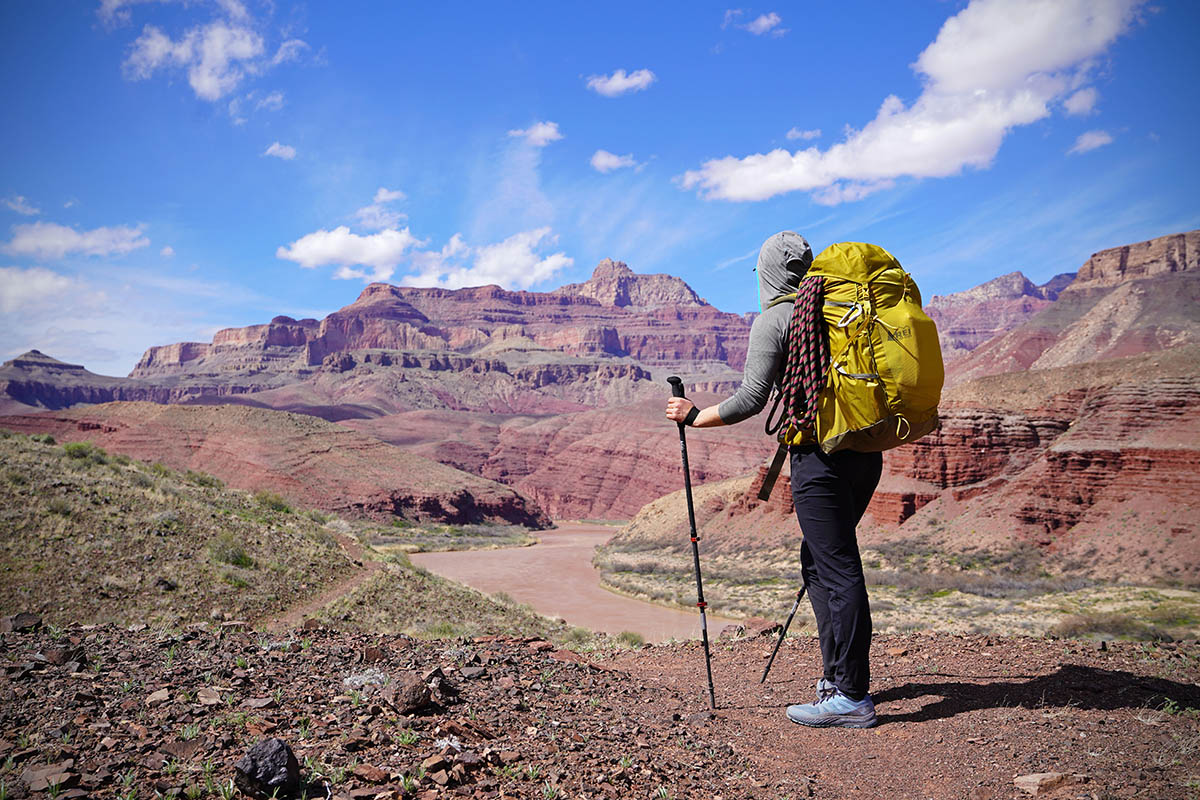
column 268, row 768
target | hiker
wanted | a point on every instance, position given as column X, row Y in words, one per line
column 830, row 492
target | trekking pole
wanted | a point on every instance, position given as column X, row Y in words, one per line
column 677, row 391
column 783, row 632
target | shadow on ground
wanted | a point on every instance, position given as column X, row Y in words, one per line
column 1072, row 685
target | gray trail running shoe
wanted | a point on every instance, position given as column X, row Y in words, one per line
column 835, row 710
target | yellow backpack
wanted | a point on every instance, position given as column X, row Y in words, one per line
column 885, row 375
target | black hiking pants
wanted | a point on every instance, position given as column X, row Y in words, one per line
column 830, row 493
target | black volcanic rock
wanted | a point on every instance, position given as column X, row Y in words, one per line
column 269, row 769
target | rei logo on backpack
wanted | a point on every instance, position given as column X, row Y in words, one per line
column 864, row 367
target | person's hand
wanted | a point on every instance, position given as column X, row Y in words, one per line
column 678, row 408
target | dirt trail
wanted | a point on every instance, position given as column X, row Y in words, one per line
column 557, row 578
column 364, row 570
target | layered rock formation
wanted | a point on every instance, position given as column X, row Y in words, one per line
column 35, row 381
column 967, row 319
column 596, row 464
column 1124, row 301
column 655, row 320
column 304, row 459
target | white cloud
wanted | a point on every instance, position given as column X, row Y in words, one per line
column 289, row 51
column 766, row 23
column 216, row 56
column 1090, row 141
column 284, row 151
column 619, row 83
column 234, row 9
column 272, row 102
column 796, row 133
column 1082, row 102
column 380, row 251
column 20, row 205
column 604, row 161
column 999, row 44
column 47, row 240
column 730, row 15
column 113, row 12
column 514, row 263
column 27, row 289
column 377, row 216
column 384, row 195
column 996, row 65
column 539, row 134
column 167, row 252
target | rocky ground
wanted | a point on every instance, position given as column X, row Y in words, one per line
column 109, row 712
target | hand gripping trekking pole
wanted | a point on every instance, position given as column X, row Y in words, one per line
column 677, row 390
column 783, row 632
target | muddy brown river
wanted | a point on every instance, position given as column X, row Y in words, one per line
column 557, row 578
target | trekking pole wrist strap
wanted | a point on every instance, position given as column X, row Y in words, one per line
column 690, row 419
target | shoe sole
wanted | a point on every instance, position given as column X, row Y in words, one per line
column 836, row 721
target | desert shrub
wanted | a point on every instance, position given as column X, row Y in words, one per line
column 160, row 469
column 316, row 516
column 16, row 477
column 5, row 433
column 42, row 438
column 630, row 639
column 577, row 635
column 272, row 501
column 203, row 479
column 399, row 522
column 227, row 550
column 58, row 505
column 1108, row 625
column 441, row 630
column 234, row 580
column 120, row 458
column 165, row 523
column 85, row 451
column 143, row 480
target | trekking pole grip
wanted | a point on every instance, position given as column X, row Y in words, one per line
column 676, row 385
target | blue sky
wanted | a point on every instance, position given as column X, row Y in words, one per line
column 173, row 168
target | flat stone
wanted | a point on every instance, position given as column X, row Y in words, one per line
column 370, row 774
column 1038, row 782
column 20, row 623
column 208, row 697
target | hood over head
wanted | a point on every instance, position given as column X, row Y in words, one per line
column 782, row 262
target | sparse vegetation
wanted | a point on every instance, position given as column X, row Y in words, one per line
column 630, row 639
column 1109, row 625
column 85, row 451
column 272, row 502
column 225, row 549
column 403, row 536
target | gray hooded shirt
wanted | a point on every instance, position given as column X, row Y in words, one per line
column 782, row 262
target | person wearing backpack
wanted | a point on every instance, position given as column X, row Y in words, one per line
column 831, row 484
